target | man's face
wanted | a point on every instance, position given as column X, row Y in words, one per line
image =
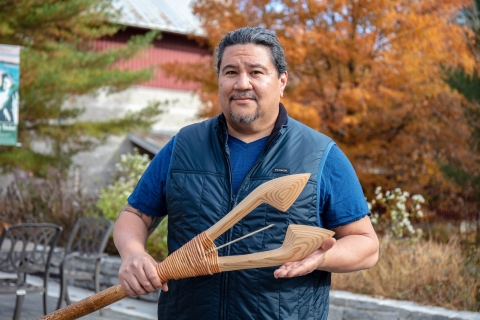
column 7, row 83
column 249, row 87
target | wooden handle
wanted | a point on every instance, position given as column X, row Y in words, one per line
column 300, row 241
column 88, row 305
column 280, row 193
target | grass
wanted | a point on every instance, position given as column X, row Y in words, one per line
column 425, row 271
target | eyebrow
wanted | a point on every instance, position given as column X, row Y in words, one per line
column 251, row 66
column 257, row 66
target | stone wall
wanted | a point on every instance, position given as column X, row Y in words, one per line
column 346, row 306
column 343, row 305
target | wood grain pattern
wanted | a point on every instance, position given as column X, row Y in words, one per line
column 89, row 304
column 300, row 241
column 280, row 193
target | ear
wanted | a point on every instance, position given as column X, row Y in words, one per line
column 283, row 82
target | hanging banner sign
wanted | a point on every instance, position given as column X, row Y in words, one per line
column 9, row 84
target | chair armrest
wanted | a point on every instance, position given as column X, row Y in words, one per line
column 82, row 257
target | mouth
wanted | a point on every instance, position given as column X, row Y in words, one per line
column 242, row 97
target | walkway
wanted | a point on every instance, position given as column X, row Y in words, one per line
column 126, row 309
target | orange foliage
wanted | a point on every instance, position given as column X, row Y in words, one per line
column 368, row 73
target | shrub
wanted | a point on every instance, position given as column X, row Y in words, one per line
column 393, row 210
column 55, row 199
column 114, row 196
column 157, row 242
column 126, row 175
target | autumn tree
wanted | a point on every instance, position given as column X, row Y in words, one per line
column 58, row 63
column 370, row 74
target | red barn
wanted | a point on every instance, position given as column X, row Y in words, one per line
column 176, row 22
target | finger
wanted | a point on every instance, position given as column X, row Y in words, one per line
column 139, row 282
column 140, row 287
column 127, row 288
column 328, row 244
column 133, row 288
column 285, row 268
column 290, row 273
column 153, row 278
column 165, row 286
column 288, row 265
column 146, row 287
column 301, row 269
column 298, row 268
column 286, row 271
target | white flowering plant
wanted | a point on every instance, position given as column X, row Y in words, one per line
column 393, row 210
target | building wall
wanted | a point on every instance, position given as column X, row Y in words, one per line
column 180, row 105
column 97, row 165
column 170, row 48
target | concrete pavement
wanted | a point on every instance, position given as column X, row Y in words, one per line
column 126, row 309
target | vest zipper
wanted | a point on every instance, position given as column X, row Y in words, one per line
column 226, row 250
column 262, row 156
column 233, row 203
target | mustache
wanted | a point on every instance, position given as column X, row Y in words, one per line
column 243, row 95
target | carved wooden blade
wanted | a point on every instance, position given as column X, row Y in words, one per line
column 300, row 241
column 280, row 193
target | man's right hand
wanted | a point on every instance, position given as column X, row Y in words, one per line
column 138, row 275
column 138, row 271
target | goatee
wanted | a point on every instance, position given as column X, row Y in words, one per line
column 245, row 118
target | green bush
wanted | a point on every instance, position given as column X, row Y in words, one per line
column 157, row 242
column 114, row 196
column 126, row 175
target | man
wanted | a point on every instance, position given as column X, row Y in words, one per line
column 209, row 167
column 8, row 98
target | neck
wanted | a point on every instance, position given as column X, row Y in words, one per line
column 248, row 133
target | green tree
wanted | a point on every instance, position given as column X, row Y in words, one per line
column 468, row 85
column 58, row 63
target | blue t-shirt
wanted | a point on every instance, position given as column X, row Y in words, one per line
column 242, row 158
column 341, row 196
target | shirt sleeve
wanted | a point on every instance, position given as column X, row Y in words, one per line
column 149, row 194
column 341, row 196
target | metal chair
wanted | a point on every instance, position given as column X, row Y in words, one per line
column 26, row 249
column 4, row 223
column 85, row 244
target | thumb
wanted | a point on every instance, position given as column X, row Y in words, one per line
column 328, row 244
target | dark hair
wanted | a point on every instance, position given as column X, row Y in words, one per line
column 257, row 36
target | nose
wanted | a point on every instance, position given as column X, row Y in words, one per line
column 243, row 82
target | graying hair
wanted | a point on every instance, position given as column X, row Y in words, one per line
column 256, row 36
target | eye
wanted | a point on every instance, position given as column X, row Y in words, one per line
column 256, row 72
column 230, row 72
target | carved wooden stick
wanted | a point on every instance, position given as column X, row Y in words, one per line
column 280, row 193
column 299, row 242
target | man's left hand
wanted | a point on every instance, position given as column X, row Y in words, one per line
column 306, row 265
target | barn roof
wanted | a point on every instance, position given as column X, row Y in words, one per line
column 164, row 15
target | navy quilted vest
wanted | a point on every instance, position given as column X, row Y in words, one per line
column 199, row 194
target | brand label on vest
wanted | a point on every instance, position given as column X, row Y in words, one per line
column 281, row 170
